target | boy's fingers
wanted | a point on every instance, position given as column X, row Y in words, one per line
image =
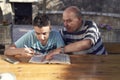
column 29, row 50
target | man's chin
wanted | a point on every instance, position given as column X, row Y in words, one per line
column 70, row 31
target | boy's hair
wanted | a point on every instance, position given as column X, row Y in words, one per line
column 41, row 20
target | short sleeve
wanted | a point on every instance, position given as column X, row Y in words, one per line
column 27, row 39
column 92, row 32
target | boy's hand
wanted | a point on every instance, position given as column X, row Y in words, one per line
column 28, row 52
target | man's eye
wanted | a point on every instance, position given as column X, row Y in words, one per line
column 69, row 20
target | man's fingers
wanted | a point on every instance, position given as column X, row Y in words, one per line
column 46, row 58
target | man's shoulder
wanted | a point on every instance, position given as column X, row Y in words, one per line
column 88, row 22
column 62, row 30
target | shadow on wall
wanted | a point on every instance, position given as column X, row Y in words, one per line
column 2, row 48
column 1, row 16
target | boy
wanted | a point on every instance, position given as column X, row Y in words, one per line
column 41, row 39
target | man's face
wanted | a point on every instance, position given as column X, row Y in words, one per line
column 71, row 21
column 42, row 34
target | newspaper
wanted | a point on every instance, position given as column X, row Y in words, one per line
column 56, row 59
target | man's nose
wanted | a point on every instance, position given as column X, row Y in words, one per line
column 65, row 24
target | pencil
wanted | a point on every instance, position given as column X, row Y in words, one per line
column 26, row 48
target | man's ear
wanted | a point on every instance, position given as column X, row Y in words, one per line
column 80, row 18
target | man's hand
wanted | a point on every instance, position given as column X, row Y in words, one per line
column 52, row 53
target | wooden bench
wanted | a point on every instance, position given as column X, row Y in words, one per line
column 112, row 47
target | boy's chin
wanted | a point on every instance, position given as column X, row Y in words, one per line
column 43, row 42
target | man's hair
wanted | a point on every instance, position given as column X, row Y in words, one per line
column 41, row 20
column 74, row 9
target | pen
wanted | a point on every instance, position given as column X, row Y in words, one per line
column 26, row 48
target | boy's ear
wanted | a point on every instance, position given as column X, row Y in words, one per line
column 50, row 28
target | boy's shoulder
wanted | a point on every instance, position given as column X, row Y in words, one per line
column 54, row 31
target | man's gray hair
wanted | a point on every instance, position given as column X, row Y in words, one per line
column 74, row 9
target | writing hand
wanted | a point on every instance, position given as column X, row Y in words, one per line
column 28, row 52
column 27, row 49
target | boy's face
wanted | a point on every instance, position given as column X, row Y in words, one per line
column 42, row 34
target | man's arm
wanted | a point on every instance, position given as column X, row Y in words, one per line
column 73, row 47
column 78, row 46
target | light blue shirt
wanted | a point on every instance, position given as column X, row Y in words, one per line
column 54, row 41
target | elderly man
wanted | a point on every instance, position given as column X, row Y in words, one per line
column 81, row 36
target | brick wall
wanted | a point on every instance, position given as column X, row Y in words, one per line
column 5, row 35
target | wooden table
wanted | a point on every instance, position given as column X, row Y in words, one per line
column 83, row 67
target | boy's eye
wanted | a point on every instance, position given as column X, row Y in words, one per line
column 37, row 33
column 44, row 33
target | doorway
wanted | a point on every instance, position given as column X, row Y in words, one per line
column 1, row 16
column 23, row 13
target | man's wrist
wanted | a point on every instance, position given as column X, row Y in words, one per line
column 62, row 51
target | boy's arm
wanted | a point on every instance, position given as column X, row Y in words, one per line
column 12, row 51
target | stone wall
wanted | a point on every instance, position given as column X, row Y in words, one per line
column 110, row 7
column 100, row 11
column 6, row 12
column 5, row 34
column 108, row 10
column 114, row 22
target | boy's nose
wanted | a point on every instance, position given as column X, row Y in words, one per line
column 42, row 37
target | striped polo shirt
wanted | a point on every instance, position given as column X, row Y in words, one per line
column 88, row 30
